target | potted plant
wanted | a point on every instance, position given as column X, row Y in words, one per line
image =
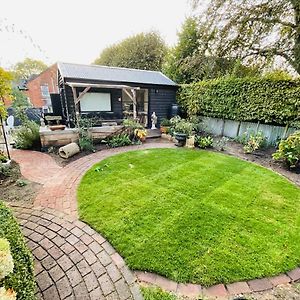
column 182, row 130
column 140, row 134
column 4, row 160
column 165, row 125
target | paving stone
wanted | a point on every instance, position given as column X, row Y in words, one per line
column 108, row 248
column 280, row 279
column 166, row 284
column 63, row 233
column 81, row 292
column 136, row 293
column 48, row 262
column 51, row 293
column 74, row 276
column 98, row 269
column 77, row 232
column 44, row 222
column 122, row 289
column 90, row 257
column 81, row 247
column 112, row 296
column 238, row 288
column 44, row 281
column 95, row 247
column 90, row 281
column 55, row 252
column 40, row 229
column 259, row 285
column 118, row 260
column 46, row 243
column 36, row 237
column 75, row 256
column 113, row 272
column 50, row 234
column 97, row 294
column 59, row 241
column 72, row 239
column 104, row 258
column 294, row 274
column 64, row 287
column 65, row 262
column 86, row 239
column 39, row 253
column 216, row 291
column 38, row 268
column 84, row 267
column 56, row 273
column 106, row 284
column 32, row 245
column 67, row 248
column 128, row 275
column 189, row 290
column 54, row 227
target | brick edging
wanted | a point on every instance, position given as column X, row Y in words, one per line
column 218, row 290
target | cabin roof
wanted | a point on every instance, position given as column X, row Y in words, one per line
column 113, row 74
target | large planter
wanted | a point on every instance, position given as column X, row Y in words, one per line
column 181, row 139
column 164, row 129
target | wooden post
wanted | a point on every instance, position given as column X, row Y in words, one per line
column 223, row 127
column 238, row 129
column 134, row 104
column 257, row 127
column 285, row 131
column 76, row 105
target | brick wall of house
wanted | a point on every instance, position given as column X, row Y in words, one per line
column 47, row 78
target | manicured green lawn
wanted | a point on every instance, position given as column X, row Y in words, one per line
column 151, row 293
column 194, row 216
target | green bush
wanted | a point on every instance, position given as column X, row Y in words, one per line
column 119, row 141
column 22, row 278
column 204, row 141
column 289, row 150
column 268, row 100
column 86, row 143
column 28, row 136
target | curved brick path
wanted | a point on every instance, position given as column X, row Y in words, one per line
column 72, row 261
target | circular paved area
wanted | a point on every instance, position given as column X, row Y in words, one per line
column 72, row 261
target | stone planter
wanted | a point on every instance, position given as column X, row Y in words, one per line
column 181, row 139
column 6, row 164
column 190, row 142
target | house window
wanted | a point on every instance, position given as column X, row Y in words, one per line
column 45, row 91
column 95, row 102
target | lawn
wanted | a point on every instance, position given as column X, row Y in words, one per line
column 194, row 216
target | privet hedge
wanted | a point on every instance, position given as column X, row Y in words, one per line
column 21, row 280
column 271, row 101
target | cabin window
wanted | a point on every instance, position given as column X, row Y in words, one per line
column 95, row 102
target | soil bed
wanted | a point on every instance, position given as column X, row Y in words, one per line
column 263, row 158
column 11, row 191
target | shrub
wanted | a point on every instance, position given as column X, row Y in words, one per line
column 5, row 171
column 132, row 124
column 289, row 150
column 3, row 157
column 6, row 260
column 86, row 143
column 22, row 278
column 140, row 134
column 254, row 142
column 244, row 99
column 28, row 136
column 119, row 141
column 165, row 122
column 204, row 142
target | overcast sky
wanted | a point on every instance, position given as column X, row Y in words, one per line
column 76, row 31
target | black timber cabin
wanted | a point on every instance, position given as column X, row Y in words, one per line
column 113, row 94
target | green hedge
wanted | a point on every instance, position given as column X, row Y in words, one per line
column 271, row 101
column 22, row 278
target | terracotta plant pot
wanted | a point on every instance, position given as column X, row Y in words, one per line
column 164, row 129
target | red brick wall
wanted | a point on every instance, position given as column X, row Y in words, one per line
column 48, row 77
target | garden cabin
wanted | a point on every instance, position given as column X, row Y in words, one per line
column 112, row 94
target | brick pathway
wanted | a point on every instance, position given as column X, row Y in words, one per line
column 72, row 261
column 60, row 184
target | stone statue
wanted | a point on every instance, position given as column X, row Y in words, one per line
column 153, row 120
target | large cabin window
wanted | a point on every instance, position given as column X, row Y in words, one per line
column 93, row 102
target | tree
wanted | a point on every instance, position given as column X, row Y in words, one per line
column 142, row 51
column 5, row 89
column 20, row 100
column 28, row 67
column 253, row 30
column 188, row 61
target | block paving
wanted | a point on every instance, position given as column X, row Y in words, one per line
column 71, row 260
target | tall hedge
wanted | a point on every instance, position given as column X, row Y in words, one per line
column 271, row 101
column 21, row 280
